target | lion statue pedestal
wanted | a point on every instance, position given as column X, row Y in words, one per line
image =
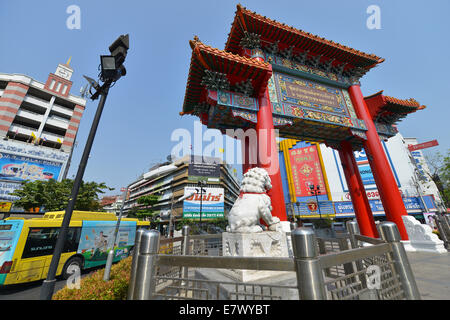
column 245, row 237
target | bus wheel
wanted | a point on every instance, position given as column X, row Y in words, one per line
column 69, row 267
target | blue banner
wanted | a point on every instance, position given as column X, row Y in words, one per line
column 411, row 203
column 21, row 168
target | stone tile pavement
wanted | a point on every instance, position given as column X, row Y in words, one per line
column 432, row 273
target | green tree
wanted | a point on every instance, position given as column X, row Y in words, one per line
column 145, row 210
column 440, row 173
column 54, row 195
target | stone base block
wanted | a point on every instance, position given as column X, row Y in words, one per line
column 421, row 237
column 261, row 244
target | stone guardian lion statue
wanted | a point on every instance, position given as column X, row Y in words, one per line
column 253, row 204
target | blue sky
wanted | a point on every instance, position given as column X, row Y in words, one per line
column 142, row 109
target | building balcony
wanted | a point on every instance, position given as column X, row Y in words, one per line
column 62, row 110
column 34, row 116
column 36, row 101
column 17, row 129
column 22, row 130
column 58, row 122
column 52, row 137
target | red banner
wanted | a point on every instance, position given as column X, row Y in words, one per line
column 424, row 145
column 306, row 171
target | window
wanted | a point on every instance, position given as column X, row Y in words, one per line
column 64, row 89
column 58, row 87
column 42, row 241
column 52, row 84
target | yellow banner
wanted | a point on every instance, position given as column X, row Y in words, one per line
column 5, row 206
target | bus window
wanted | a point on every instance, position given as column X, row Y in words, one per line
column 42, row 241
column 72, row 240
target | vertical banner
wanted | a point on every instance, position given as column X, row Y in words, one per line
column 306, row 170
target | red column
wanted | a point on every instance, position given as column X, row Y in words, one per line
column 268, row 155
column 358, row 194
column 382, row 173
column 249, row 152
column 267, row 147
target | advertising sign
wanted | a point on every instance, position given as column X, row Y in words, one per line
column 98, row 236
column 5, row 206
column 6, row 188
column 429, row 219
column 412, row 204
column 212, row 204
column 209, row 172
column 364, row 170
column 424, row 145
column 306, row 170
column 20, row 168
column 311, row 208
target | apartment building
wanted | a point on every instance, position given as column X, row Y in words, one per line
column 38, row 127
column 171, row 181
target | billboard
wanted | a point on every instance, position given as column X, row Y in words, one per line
column 209, row 172
column 306, row 170
column 21, row 162
column 21, row 168
column 364, row 169
column 212, row 203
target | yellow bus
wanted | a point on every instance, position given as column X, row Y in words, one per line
column 26, row 245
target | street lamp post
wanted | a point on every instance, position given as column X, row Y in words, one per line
column 109, row 260
column 200, row 184
column 171, row 211
column 316, row 191
column 298, row 210
column 110, row 73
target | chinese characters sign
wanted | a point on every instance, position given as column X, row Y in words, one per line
column 306, row 171
column 314, row 96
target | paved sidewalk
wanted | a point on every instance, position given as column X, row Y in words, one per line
column 432, row 273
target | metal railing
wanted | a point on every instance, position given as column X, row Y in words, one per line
column 193, row 267
column 443, row 225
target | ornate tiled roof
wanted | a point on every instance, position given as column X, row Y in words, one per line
column 230, row 67
column 389, row 110
column 272, row 31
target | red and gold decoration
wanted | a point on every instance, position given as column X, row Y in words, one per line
column 306, row 170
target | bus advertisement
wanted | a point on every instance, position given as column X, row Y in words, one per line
column 27, row 245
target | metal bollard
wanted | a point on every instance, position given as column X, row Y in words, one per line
column 109, row 262
column 446, row 218
column 137, row 246
column 293, row 225
column 307, row 265
column 353, row 229
column 441, row 225
column 146, row 266
column 185, row 249
column 390, row 234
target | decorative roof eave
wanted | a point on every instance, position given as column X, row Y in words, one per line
column 390, row 109
column 358, row 58
column 228, row 65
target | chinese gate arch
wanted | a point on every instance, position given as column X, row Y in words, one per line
column 273, row 76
